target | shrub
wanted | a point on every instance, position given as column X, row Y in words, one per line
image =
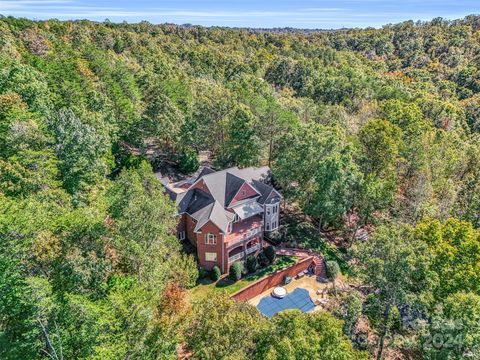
column 275, row 237
column 202, row 273
column 252, row 263
column 333, row 271
column 216, row 273
column 262, row 259
column 270, row 253
column 236, row 271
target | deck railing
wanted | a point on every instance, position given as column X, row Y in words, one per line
column 249, row 234
column 253, row 249
column 242, row 254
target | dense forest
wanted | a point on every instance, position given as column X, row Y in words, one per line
column 381, row 126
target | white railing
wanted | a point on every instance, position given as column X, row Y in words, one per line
column 241, row 254
column 247, row 235
column 253, row 249
column 236, row 257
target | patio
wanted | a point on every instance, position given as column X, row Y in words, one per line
column 307, row 283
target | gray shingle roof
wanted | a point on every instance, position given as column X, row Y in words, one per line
column 262, row 174
column 223, row 185
column 205, row 171
column 198, row 200
column 215, row 213
column 263, row 189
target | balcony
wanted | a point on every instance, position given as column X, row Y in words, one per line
column 252, row 249
column 241, row 254
column 246, row 236
column 244, row 230
column 236, row 257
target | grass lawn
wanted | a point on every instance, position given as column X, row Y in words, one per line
column 206, row 286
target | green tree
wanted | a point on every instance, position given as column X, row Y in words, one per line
column 144, row 222
column 161, row 121
column 370, row 195
column 396, row 265
column 242, row 147
column 315, row 166
column 188, row 160
column 380, row 142
column 223, row 328
column 295, row 335
column 81, row 150
column 407, row 116
column 455, row 251
column 454, row 332
column 349, row 310
column 216, row 273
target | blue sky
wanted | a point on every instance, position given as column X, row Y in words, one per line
column 324, row 14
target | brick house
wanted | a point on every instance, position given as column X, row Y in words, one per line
column 225, row 214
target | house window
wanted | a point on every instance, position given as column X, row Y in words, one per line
column 210, row 256
column 244, row 192
column 274, row 225
column 181, row 235
column 236, row 218
column 210, row 239
column 268, row 210
column 268, row 226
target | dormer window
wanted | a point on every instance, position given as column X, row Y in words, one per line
column 236, row 218
column 210, row 239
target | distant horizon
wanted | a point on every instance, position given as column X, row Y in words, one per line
column 303, row 14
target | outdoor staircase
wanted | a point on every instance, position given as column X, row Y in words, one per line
column 319, row 266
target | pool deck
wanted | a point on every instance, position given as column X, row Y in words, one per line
column 309, row 283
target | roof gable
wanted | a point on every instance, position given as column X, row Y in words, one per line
column 244, row 192
column 233, row 186
column 215, row 213
column 212, row 192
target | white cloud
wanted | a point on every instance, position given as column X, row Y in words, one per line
column 26, row 4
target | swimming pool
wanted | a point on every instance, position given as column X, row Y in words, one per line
column 297, row 299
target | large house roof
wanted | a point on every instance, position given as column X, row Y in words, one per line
column 223, row 186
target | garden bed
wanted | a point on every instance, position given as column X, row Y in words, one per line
column 206, row 286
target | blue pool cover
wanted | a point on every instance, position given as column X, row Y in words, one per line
column 298, row 299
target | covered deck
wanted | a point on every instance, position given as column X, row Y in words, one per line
column 245, row 229
column 245, row 238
